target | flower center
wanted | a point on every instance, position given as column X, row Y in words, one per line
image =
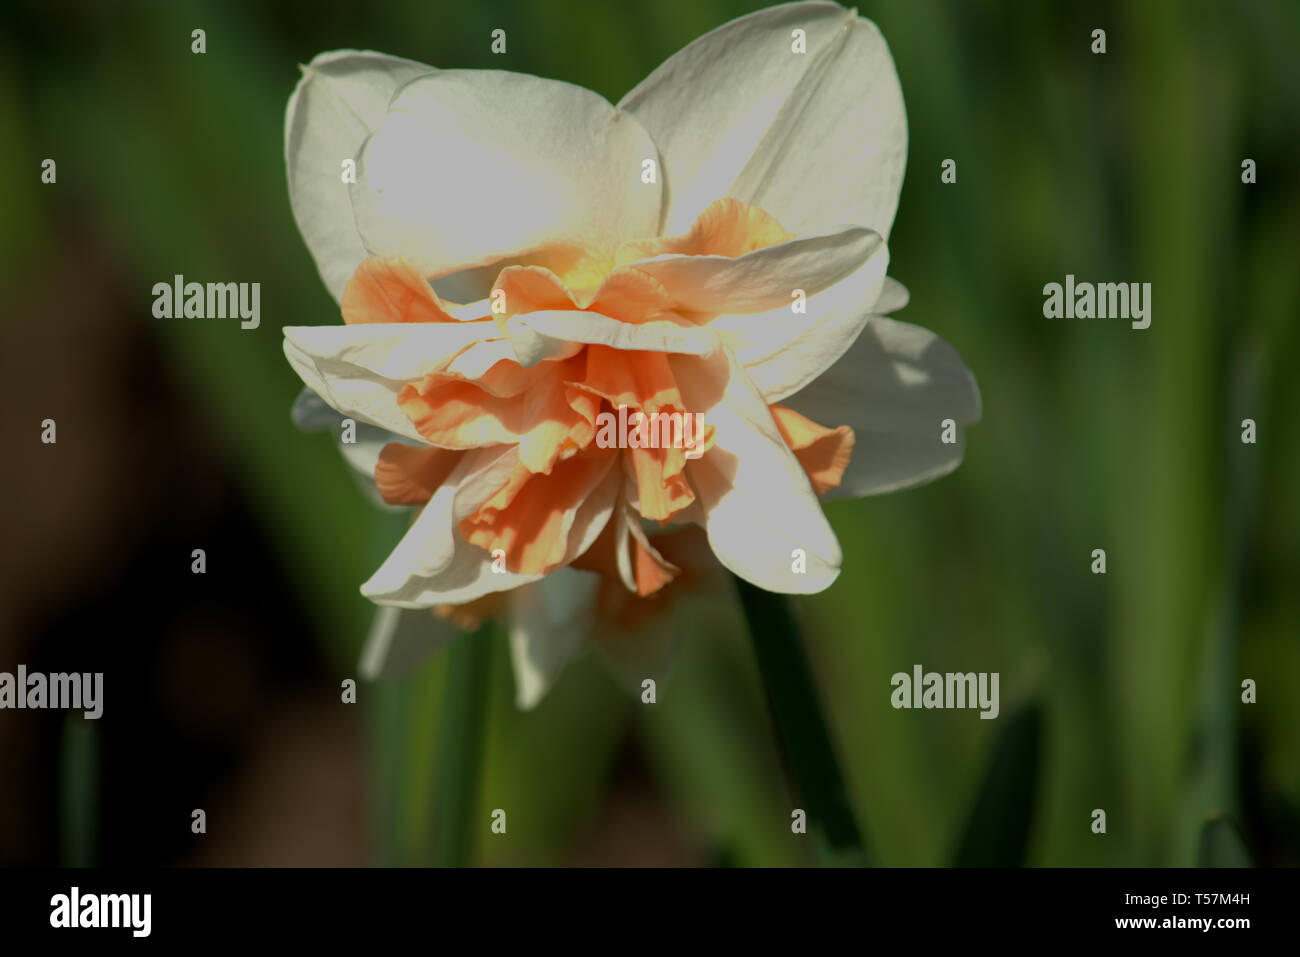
column 550, row 410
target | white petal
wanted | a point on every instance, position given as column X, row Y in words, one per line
column 474, row 165
column 783, row 351
column 392, row 350
column 622, row 555
column 470, row 311
column 766, row 278
column 893, row 297
column 475, row 361
column 549, row 334
column 359, row 370
column 400, row 640
column 758, row 506
column 895, row 387
column 814, row 138
column 431, row 548
column 312, row 414
column 434, row 565
column 340, row 100
column 548, row 622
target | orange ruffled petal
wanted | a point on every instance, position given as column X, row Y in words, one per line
column 529, row 518
column 728, row 227
column 643, row 382
column 549, row 410
column 409, row 475
column 824, row 453
column 626, row 294
column 650, row 570
column 548, row 420
column 390, row 290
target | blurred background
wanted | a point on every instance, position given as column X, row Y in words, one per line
column 222, row 690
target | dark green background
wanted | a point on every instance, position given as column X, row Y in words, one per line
column 1119, row 167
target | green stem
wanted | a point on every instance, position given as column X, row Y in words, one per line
column 79, row 791
column 800, row 725
column 460, row 748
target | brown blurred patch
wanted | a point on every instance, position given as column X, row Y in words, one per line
column 298, row 800
column 635, row 827
column 215, row 694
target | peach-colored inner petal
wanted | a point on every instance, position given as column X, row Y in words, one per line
column 687, row 550
column 824, row 453
column 728, row 227
column 547, row 420
column 472, row 614
column 650, row 570
column 482, row 397
column 580, row 267
column 407, row 475
column 527, row 517
column 643, row 381
column 626, row 294
column 390, row 290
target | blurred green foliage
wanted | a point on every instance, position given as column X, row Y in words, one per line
column 1120, row 167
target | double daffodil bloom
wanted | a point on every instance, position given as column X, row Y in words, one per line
column 515, row 257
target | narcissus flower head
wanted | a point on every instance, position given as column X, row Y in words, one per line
column 520, row 264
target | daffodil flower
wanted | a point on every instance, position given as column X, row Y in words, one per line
column 515, row 257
